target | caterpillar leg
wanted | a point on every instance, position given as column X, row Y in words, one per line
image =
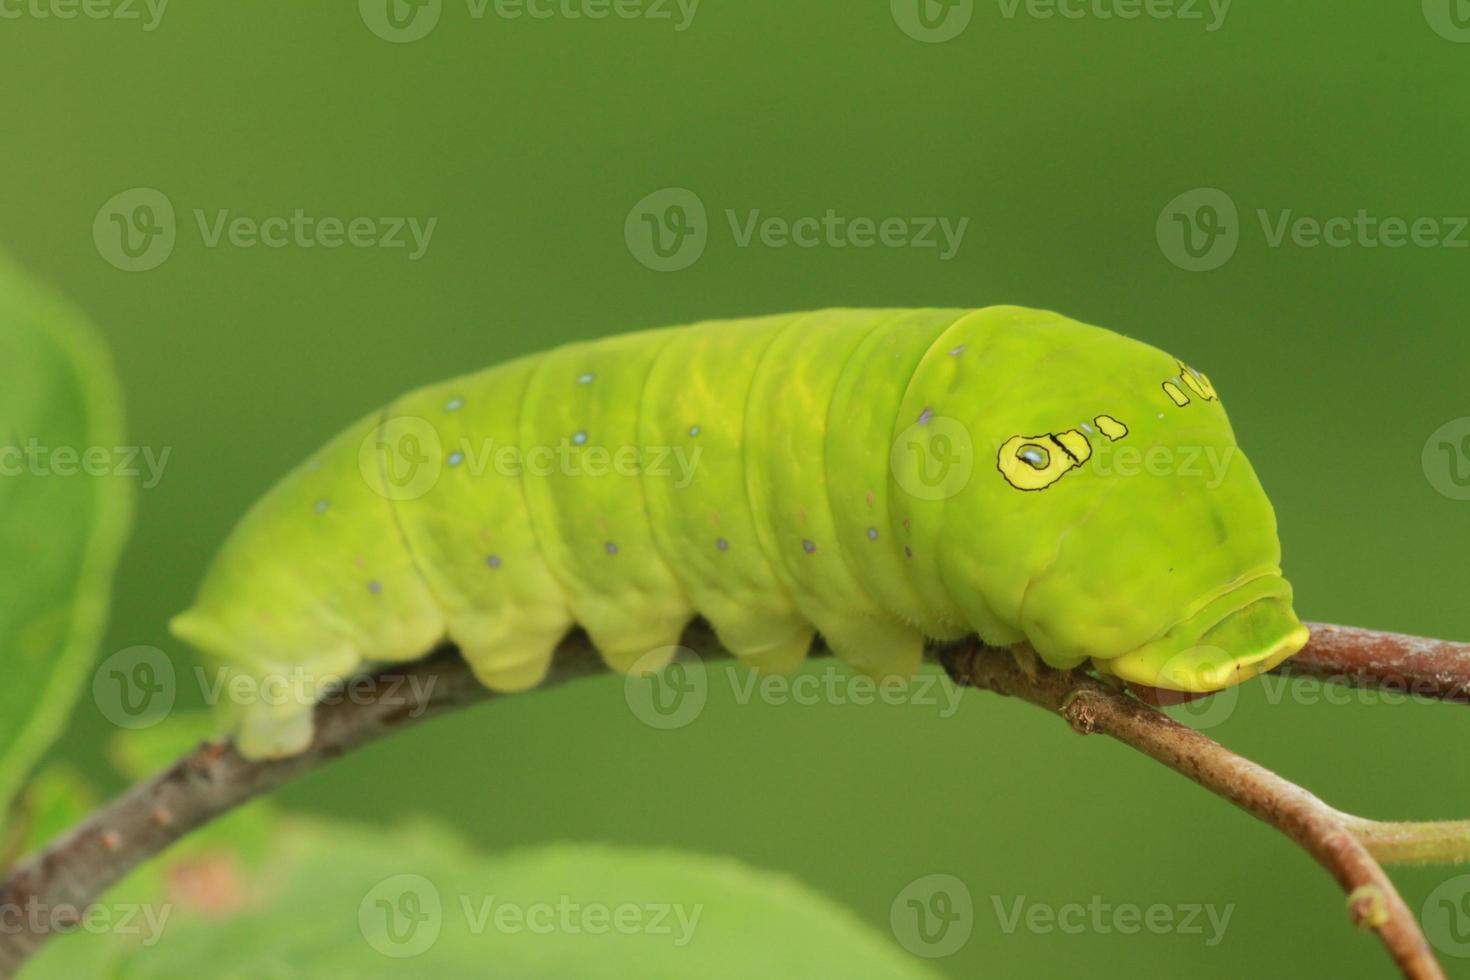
column 1026, row 659
column 629, row 639
column 269, row 709
column 265, row 733
column 507, row 658
column 880, row 648
column 777, row 642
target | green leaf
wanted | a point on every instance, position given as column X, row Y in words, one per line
column 57, row 798
column 344, row 901
column 140, row 753
column 61, row 527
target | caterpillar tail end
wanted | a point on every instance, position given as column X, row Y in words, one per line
column 263, row 727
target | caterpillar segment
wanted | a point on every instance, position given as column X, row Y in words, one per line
column 695, row 410
column 314, row 583
column 865, row 448
column 787, row 479
column 588, row 508
column 883, row 477
column 454, row 475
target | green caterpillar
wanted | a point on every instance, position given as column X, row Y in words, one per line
column 882, row 477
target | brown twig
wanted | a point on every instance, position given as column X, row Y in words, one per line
column 73, row 871
column 1393, row 662
column 1090, row 706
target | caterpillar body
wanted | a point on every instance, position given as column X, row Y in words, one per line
column 880, row 477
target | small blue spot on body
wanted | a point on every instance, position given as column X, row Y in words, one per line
column 611, row 547
column 722, row 544
column 925, row 416
column 872, row 534
column 456, row 458
column 957, row 351
column 454, row 405
column 493, row 561
column 1086, row 427
column 375, row 587
column 585, row 379
column 578, row 438
column 694, row 430
column 808, row 545
column 321, row 506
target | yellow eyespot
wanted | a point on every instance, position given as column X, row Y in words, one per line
column 1110, row 427
column 1035, row 455
column 1036, row 462
column 1198, row 382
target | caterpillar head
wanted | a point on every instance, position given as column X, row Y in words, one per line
column 1136, row 533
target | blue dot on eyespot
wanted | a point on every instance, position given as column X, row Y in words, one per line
column 872, row 534
column 321, row 506
column 375, row 587
column 722, row 544
column 454, row 405
column 456, row 458
column 808, row 545
column 611, row 547
column 493, row 561
column 579, row 438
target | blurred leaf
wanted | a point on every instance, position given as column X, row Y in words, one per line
column 138, row 754
column 54, row 800
column 343, row 901
column 61, row 527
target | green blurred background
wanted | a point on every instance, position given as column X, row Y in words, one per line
column 1062, row 140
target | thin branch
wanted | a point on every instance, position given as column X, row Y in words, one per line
column 1393, row 662
column 1090, row 706
column 78, row 867
column 72, row 872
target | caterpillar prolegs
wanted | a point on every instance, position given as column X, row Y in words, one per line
column 880, row 477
